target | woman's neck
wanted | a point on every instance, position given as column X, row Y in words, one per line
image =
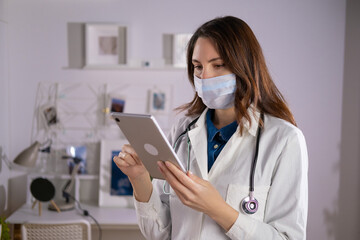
column 223, row 117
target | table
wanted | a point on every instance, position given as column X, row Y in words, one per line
column 116, row 223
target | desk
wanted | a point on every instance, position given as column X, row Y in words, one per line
column 116, row 223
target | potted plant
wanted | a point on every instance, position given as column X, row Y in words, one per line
column 4, row 229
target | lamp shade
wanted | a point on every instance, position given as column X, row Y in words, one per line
column 28, row 157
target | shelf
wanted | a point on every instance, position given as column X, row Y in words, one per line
column 65, row 176
column 85, row 45
column 124, row 67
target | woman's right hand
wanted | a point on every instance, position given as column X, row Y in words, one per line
column 130, row 164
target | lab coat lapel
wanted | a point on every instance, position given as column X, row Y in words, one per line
column 198, row 139
column 231, row 149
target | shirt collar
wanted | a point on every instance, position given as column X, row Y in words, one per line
column 225, row 132
column 254, row 116
column 211, row 129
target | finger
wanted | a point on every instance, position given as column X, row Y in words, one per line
column 181, row 176
column 174, row 182
column 122, row 154
column 127, row 158
column 195, row 178
column 127, row 148
column 120, row 162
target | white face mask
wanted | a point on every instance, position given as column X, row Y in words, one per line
column 217, row 92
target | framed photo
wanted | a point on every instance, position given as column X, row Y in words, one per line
column 159, row 100
column 115, row 189
column 174, row 49
column 116, row 103
column 77, row 152
column 105, row 44
column 180, row 48
column 49, row 115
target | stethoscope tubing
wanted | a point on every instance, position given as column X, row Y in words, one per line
column 253, row 164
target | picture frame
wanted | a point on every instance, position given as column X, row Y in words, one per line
column 175, row 48
column 180, row 48
column 105, row 44
column 159, row 100
column 79, row 152
column 114, row 191
column 114, row 103
column 49, row 115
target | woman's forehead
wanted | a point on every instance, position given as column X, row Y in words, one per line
column 204, row 50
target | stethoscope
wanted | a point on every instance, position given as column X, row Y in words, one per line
column 249, row 204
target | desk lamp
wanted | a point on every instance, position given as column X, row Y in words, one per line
column 28, row 156
column 68, row 204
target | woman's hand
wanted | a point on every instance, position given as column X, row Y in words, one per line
column 130, row 164
column 199, row 194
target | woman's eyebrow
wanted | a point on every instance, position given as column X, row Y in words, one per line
column 211, row 60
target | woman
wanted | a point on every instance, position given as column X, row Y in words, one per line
column 235, row 103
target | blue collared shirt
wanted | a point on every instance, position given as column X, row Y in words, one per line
column 217, row 138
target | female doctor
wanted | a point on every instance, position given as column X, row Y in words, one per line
column 246, row 159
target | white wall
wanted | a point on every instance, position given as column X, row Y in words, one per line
column 4, row 107
column 12, row 186
column 303, row 42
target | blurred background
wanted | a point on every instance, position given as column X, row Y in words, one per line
column 311, row 48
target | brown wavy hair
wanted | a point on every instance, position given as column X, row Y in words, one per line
column 241, row 52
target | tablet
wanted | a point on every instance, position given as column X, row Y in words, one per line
column 148, row 140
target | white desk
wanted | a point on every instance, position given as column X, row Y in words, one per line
column 113, row 221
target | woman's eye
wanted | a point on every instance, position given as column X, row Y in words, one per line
column 197, row 67
column 219, row 65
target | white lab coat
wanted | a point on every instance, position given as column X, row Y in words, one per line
column 281, row 185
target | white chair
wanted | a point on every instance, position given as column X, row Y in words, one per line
column 72, row 230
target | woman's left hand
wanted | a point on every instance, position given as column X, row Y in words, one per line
column 199, row 194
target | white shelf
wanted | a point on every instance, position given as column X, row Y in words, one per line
column 125, row 67
column 64, row 176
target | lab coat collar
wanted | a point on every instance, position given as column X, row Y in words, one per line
column 198, row 135
column 231, row 148
column 254, row 116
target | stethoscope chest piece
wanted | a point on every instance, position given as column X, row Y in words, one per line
column 249, row 205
